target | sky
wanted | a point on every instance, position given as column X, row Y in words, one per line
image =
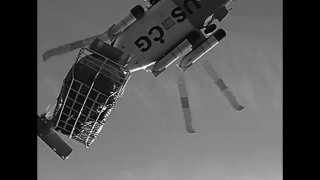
column 145, row 137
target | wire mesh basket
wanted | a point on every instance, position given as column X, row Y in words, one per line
column 88, row 95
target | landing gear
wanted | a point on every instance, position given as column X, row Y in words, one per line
column 210, row 28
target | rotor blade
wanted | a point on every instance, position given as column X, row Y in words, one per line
column 52, row 139
column 72, row 46
column 222, row 86
column 185, row 104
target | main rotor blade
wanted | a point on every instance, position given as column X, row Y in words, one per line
column 185, row 104
column 222, row 86
column 72, row 46
column 52, row 139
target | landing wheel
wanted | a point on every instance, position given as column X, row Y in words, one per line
column 209, row 29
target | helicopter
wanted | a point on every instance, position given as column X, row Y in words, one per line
column 149, row 38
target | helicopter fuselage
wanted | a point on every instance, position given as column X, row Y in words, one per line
column 162, row 28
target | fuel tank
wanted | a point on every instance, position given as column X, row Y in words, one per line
column 135, row 13
column 182, row 49
column 201, row 49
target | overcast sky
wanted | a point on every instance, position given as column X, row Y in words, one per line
column 145, row 137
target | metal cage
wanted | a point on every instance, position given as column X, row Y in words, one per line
column 88, row 95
